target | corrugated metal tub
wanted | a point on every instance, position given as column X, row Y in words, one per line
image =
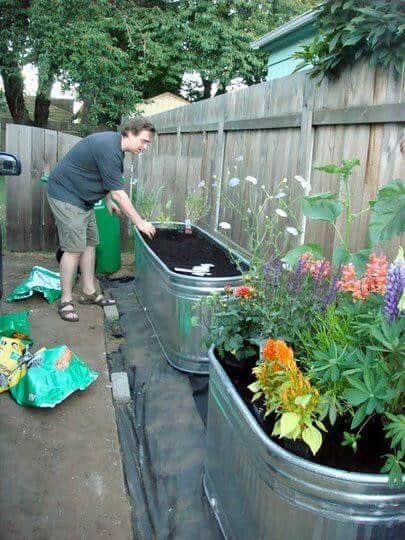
column 168, row 298
column 259, row 490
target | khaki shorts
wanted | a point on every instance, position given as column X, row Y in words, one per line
column 77, row 228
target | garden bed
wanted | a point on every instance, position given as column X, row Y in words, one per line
column 179, row 249
column 371, row 447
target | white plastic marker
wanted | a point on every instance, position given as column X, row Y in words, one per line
column 195, row 270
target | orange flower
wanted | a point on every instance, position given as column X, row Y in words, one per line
column 373, row 280
column 279, row 354
column 244, row 291
column 298, row 386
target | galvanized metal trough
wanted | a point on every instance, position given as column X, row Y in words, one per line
column 169, row 299
column 259, row 490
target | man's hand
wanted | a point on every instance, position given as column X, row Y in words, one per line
column 147, row 228
column 112, row 206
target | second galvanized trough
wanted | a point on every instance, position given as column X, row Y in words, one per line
column 259, row 490
column 169, row 297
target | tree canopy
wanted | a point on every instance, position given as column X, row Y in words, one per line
column 117, row 53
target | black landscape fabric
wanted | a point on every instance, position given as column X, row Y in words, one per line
column 162, row 432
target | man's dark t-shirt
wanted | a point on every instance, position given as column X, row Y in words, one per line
column 91, row 169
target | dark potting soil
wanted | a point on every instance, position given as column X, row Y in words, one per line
column 370, row 448
column 178, row 249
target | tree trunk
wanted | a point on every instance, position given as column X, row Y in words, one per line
column 14, row 92
column 207, row 88
column 43, row 102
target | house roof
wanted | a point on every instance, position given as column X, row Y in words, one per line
column 294, row 24
column 167, row 95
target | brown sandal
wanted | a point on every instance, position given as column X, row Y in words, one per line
column 66, row 314
column 97, row 299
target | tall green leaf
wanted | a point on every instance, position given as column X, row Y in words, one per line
column 292, row 257
column 322, row 206
column 387, row 213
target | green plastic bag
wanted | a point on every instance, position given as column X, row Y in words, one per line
column 40, row 280
column 16, row 325
column 53, row 375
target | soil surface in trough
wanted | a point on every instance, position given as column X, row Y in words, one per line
column 370, row 448
column 178, row 249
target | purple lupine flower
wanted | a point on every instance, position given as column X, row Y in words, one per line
column 331, row 293
column 394, row 287
column 296, row 278
column 272, row 270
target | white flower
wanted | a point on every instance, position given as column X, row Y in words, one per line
column 251, row 179
column 235, row 167
column 263, row 186
column 234, row 181
column 201, row 184
column 214, row 176
column 292, row 230
column 284, row 181
column 305, row 184
column 224, row 225
column 249, row 211
column 280, row 212
column 239, row 158
column 280, row 195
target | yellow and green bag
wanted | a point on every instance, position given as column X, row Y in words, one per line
column 52, row 375
column 11, row 350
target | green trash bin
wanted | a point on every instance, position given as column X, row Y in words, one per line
column 108, row 251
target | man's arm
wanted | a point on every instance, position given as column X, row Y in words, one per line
column 122, row 200
column 112, row 207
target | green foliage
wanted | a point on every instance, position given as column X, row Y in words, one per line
column 350, row 30
column 394, row 466
column 145, row 202
column 322, row 206
column 387, row 216
column 118, row 53
column 264, row 216
column 395, row 430
column 234, row 324
column 292, row 257
column 196, row 204
column 387, row 213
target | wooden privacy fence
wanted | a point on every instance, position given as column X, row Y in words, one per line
column 279, row 129
column 30, row 223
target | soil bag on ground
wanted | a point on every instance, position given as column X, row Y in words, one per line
column 16, row 325
column 11, row 350
column 40, row 280
column 54, row 374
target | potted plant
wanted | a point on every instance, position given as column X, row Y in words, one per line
column 314, row 431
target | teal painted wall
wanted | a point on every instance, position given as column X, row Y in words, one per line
column 280, row 62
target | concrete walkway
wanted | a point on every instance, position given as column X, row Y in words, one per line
column 60, row 469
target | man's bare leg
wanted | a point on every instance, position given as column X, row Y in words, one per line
column 87, row 268
column 68, row 269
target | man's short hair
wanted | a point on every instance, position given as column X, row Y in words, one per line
column 136, row 125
